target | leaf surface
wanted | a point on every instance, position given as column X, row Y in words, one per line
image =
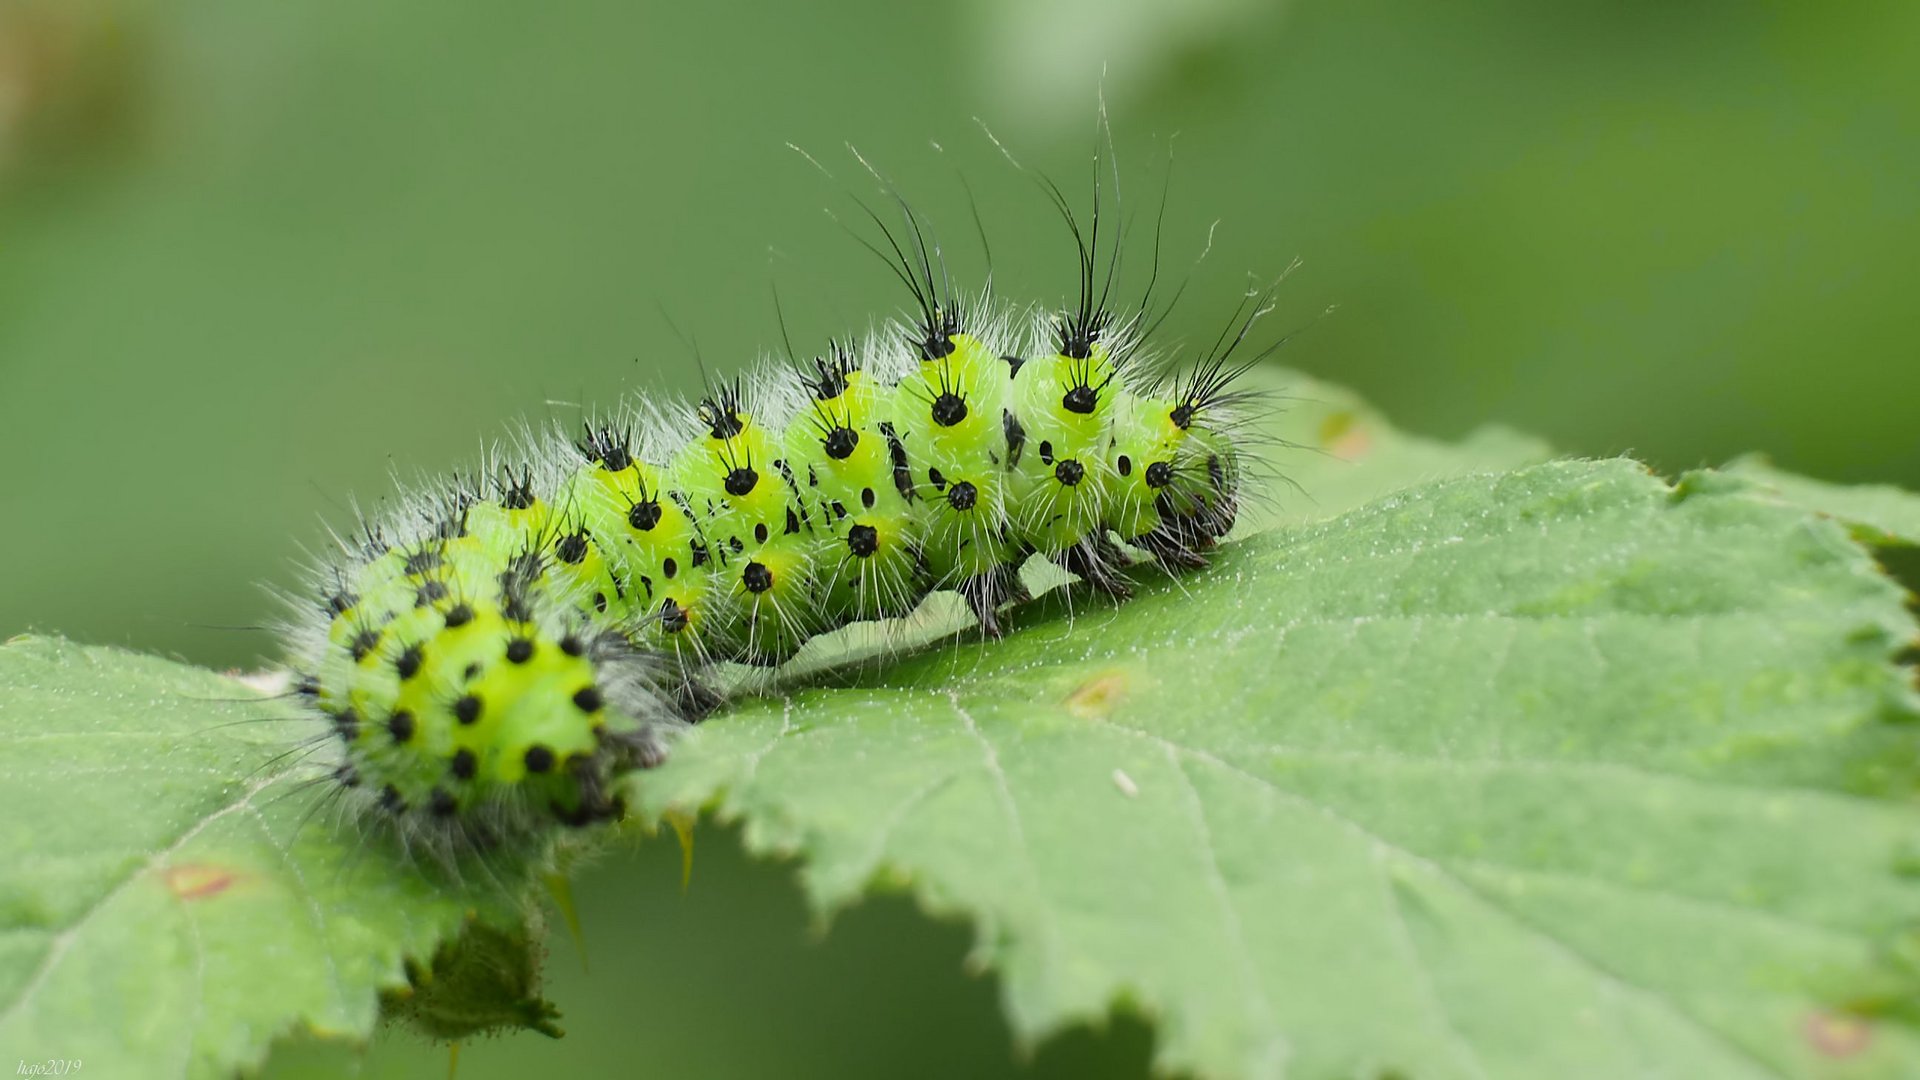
column 162, row 911
column 1880, row 514
column 1559, row 773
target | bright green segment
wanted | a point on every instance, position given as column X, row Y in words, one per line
column 1061, row 480
column 953, row 411
column 665, row 581
column 761, row 538
column 843, row 446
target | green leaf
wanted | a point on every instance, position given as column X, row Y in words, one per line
column 1331, row 452
column 485, row 980
column 162, row 913
column 1564, row 773
column 1880, row 514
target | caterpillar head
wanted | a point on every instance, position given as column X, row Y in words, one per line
column 479, row 705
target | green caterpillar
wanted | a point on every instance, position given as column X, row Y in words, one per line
column 493, row 657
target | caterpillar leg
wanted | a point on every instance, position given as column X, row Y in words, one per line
column 593, row 803
column 696, row 699
column 1098, row 562
column 1177, row 544
column 645, row 749
column 1217, row 520
column 986, row 592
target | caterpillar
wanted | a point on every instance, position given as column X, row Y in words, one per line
column 487, row 659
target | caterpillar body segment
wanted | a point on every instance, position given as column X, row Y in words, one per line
column 1062, row 479
column 953, row 418
column 858, row 484
column 762, row 539
column 666, row 585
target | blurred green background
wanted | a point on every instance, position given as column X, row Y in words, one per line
column 255, row 256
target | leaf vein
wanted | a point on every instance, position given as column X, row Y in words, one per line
column 1600, row 971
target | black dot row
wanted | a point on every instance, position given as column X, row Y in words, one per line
column 519, row 650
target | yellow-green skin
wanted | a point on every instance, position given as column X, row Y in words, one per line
column 958, row 463
column 761, row 536
column 1061, row 482
column 667, row 586
column 843, row 446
